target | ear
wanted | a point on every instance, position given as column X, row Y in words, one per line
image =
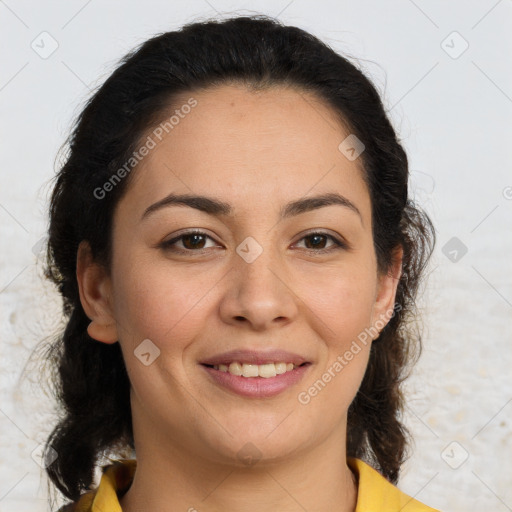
column 383, row 307
column 95, row 295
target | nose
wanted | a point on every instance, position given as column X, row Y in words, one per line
column 258, row 289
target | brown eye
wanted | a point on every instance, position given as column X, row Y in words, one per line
column 316, row 242
column 193, row 241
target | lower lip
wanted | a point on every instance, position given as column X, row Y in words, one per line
column 258, row 387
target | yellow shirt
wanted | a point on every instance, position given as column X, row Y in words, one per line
column 375, row 493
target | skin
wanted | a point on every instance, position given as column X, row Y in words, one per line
column 256, row 151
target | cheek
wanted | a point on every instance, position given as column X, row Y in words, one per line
column 340, row 308
column 154, row 304
column 152, row 301
column 342, row 299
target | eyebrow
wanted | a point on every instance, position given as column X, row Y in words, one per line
column 217, row 208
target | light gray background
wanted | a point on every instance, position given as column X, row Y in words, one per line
column 453, row 112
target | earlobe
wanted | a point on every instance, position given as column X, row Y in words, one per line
column 101, row 332
column 95, row 295
column 383, row 308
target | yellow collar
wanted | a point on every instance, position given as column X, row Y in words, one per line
column 375, row 493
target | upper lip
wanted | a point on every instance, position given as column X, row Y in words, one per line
column 255, row 357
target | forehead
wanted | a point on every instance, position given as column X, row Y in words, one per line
column 260, row 146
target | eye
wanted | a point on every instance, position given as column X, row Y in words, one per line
column 317, row 245
column 194, row 241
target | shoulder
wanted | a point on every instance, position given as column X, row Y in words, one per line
column 377, row 493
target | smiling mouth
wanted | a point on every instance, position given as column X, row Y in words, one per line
column 249, row 370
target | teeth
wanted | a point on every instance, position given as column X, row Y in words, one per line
column 256, row 370
column 250, row 370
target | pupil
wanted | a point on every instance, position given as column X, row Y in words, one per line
column 189, row 237
column 316, row 237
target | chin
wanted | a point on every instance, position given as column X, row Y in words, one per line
column 262, row 443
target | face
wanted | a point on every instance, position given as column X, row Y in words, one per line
column 258, row 275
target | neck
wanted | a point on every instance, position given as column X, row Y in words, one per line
column 168, row 478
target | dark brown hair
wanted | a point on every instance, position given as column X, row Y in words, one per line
column 90, row 379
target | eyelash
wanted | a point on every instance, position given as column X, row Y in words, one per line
column 168, row 245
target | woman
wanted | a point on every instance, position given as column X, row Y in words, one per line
column 239, row 260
